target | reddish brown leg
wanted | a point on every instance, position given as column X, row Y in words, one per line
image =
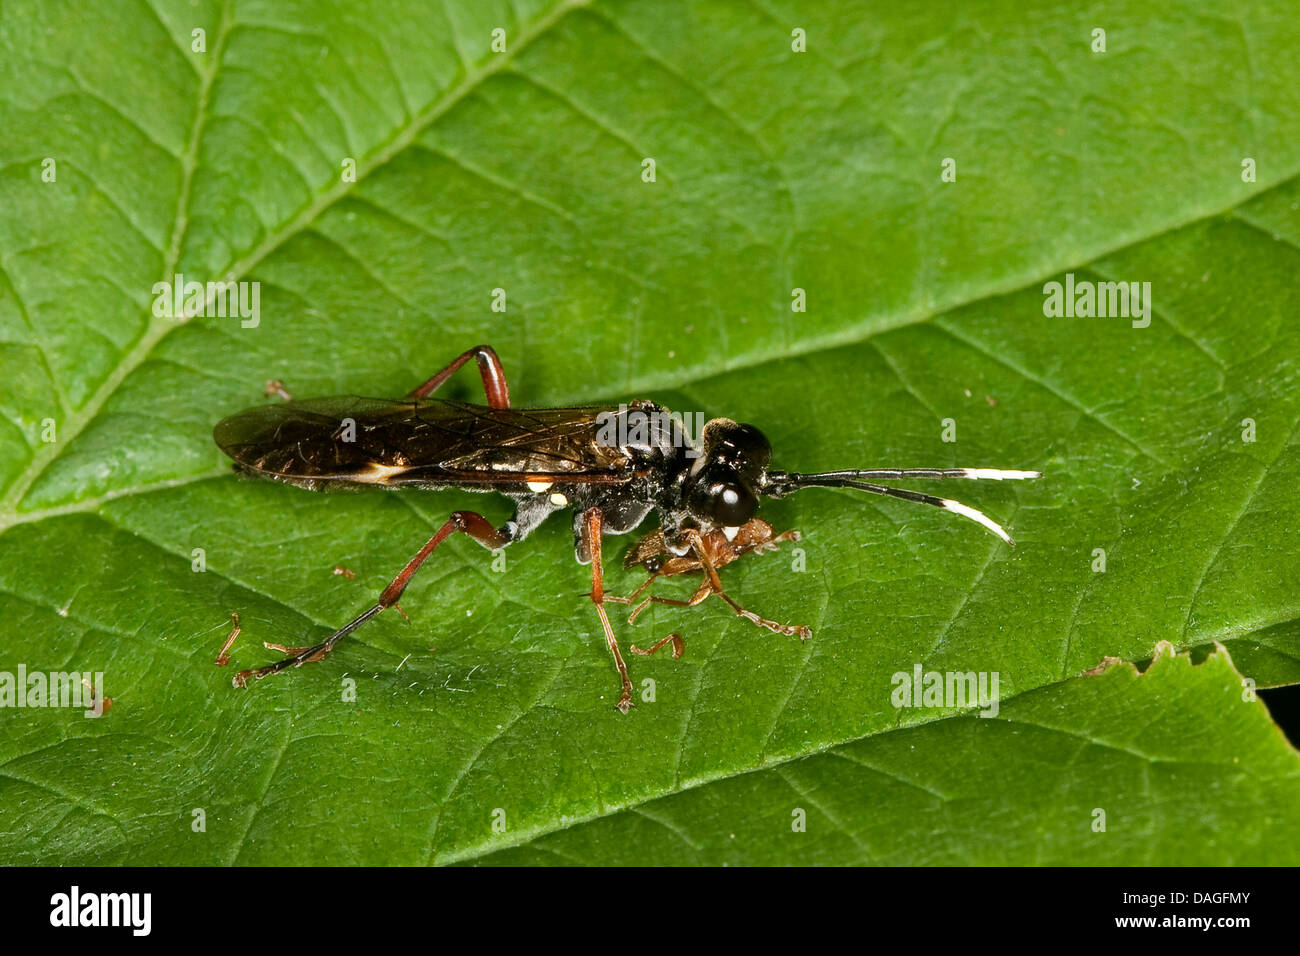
column 631, row 598
column 711, row 578
column 468, row 522
column 679, row 646
column 489, row 366
column 801, row 631
column 223, row 658
column 594, row 521
column 702, row 592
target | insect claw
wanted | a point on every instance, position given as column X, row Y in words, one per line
column 624, row 703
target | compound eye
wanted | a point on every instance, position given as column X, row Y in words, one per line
column 737, row 445
column 732, row 505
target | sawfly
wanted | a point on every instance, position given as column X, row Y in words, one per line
column 611, row 465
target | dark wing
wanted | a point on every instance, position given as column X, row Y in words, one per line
column 438, row 443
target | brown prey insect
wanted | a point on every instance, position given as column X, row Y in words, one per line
column 611, row 465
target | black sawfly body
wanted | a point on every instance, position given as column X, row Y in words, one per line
column 548, row 460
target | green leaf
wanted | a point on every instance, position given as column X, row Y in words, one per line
column 1102, row 768
column 522, row 171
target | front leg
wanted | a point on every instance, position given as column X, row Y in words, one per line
column 593, row 522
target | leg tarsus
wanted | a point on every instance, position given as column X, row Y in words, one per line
column 223, row 657
column 791, row 630
column 305, row 655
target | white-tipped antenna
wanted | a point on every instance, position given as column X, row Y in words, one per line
column 999, row 474
column 966, row 511
column 876, row 474
column 780, row 484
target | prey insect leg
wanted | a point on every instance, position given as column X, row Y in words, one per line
column 701, row 593
column 679, row 646
column 593, row 521
column 631, row 598
column 706, row 588
column 715, row 584
column 489, row 366
column 467, row 522
column 801, row 631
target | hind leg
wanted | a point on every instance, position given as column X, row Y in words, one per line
column 489, row 367
column 466, row 522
